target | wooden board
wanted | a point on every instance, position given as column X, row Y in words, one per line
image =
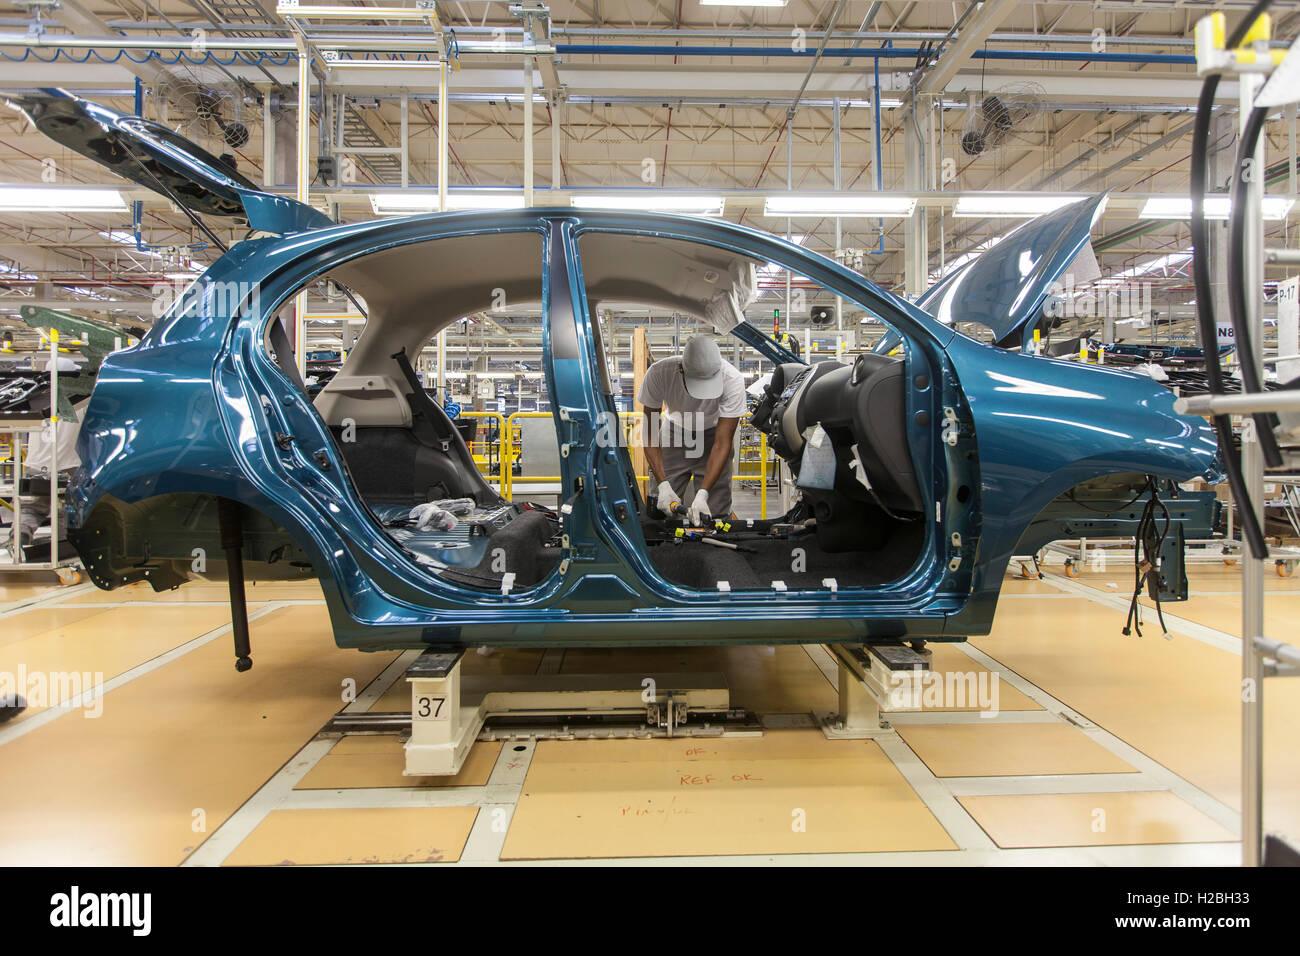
column 1223, row 613
column 641, row 360
column 188, row 742
column 682, row 797
column 996, row 750
column 38, row 620
column 378, row 761
column 946, row 663
column 79, row 655
column 371, row 835
column 1176, row 701
column 1092, row 819
column 27, row 585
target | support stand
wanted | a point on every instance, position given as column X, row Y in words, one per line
column 232, row 542
column 869, row 677
column 449, row 710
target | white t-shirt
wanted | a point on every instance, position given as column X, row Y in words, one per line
column 664, row 386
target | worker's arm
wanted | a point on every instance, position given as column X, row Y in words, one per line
column 720, row 452
column 654, row 456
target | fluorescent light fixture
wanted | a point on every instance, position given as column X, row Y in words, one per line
column 412, row 203
column 839, row 205
column 994, row 206
column 1273, row 208
column 59, row 199
column 742, row 3
column 652, row 201
column 484, row 200
column 341, row 12
column 403, row 204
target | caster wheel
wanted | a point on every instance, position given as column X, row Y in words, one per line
column 1284, row 568
column 69, row 576
column 1230, row 562
column 1072, row 570
column 1026, row 573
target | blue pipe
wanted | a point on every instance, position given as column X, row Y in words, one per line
column 881, row 53
column 880, row 163
column 137, row 207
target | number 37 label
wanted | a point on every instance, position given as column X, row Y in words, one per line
column 427, row 707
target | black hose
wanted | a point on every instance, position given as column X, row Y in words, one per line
column 1237, row 310
column 1250, row 527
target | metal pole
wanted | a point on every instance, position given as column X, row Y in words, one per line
column 268, row 142
column 54, row 446
column 839, row 303
column 556, row 107
column 444, row 151
column 1252, row 584
column 789, row 185
column 304, row 187
column 406, row 138
column 444, row 143
column 16, row 539
column 528, row 131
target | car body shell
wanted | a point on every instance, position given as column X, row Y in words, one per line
column 1028, row 429
column 200, row 409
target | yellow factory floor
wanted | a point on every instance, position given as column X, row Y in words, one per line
column 143, row 746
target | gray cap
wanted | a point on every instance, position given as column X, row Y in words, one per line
column 702, row 367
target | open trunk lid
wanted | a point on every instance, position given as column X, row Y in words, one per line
column 151, row 155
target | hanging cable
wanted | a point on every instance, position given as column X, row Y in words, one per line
column 1208, row 327
column 1237, row 310
column 1147, row 546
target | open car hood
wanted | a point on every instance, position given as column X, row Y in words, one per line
column 1006, row 288
column 153, row 156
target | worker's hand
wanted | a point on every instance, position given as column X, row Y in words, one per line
column 699, row 510
column 666, row 498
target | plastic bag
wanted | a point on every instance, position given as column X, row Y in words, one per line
column 430, row 517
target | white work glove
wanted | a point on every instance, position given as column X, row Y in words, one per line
column 666, row 498
column 699, row 510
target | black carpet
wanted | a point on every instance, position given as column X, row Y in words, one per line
column 702, row 566
column 524, row 541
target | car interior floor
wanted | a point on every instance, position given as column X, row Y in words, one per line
column 695, row 564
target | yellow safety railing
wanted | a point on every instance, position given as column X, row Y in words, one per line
column 509, row 439
column 485, row 460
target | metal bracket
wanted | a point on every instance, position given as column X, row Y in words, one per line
column 449, row 711
column 870, row 677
